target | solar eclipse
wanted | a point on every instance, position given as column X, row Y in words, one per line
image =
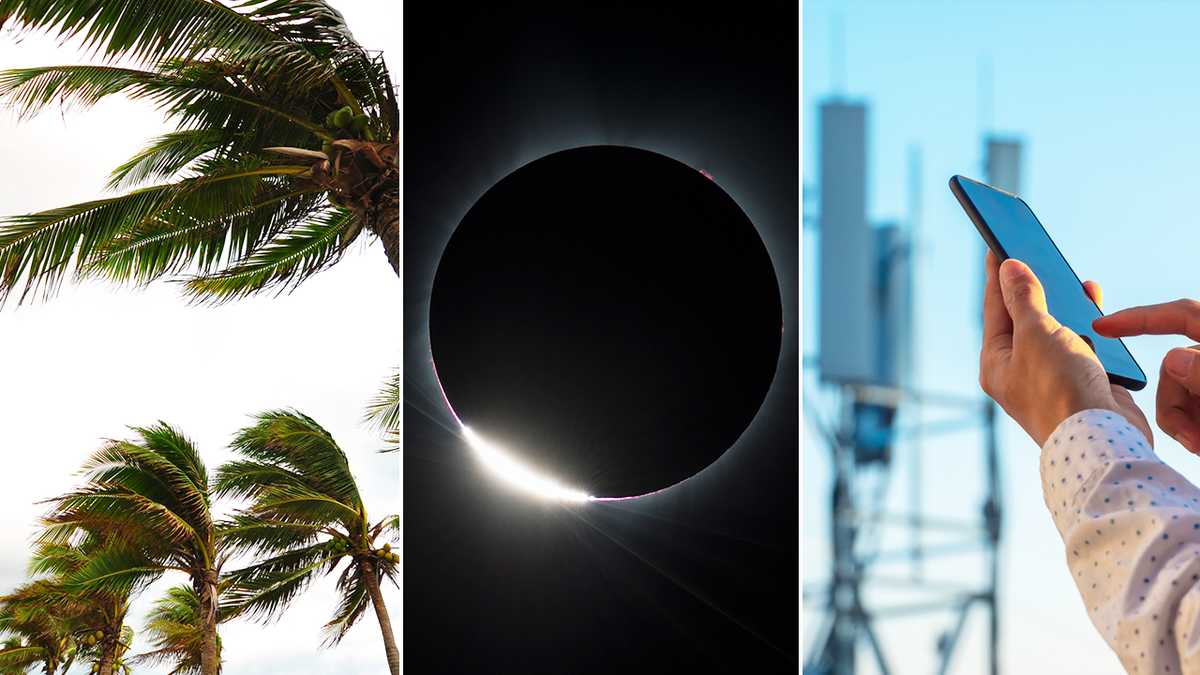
column 609, row 317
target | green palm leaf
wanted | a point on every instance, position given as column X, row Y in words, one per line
column 236, row 81
column 353, row 601
column 264, row 589
column 383, row 413
column 284, row 263
column 144, row 29
column 268, row 537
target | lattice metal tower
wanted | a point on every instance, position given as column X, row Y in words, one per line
column 866, row 323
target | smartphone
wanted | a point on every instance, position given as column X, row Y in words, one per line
column 1012, row 231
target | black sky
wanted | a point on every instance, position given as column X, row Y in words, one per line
column 704, row 576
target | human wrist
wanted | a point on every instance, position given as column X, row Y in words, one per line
column 1062, row 409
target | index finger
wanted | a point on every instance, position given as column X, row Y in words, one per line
column 1181, row 317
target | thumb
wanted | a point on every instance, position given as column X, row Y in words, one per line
column 1024, row 296
column 1183, row 367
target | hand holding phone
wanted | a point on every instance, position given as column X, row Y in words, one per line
column 1039, row 373
column 1010, row 229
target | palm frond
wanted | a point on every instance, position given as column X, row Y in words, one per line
column 226, row 214
column 293, row 440
column 38, row 248
column 283, row 263
column 29, row 90
column 389, row 526
column 353, row 600
column 301, row 505
column 54, row 559
column 114, row 573
column 21, row 659
column 261, row 590
column 245, row 533
column 368, row 76
column 383, row 413
column 165, row 157
column 143, row 29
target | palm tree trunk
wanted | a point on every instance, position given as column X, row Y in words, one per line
column 385, row 623
column 384, row 219
column 110, row 643
column 207, row 592
column 108, row 654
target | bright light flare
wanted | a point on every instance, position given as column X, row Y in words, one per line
column 514, row 472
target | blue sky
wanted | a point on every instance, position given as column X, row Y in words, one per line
column 1105, row 97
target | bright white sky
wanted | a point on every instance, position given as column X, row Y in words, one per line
column 1104, row 97
column 96, row 359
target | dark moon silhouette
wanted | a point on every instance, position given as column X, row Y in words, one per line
column 608, row 316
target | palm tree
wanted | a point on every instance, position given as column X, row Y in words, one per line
column 95, row 617
column 151, row 496
column 39, row 620
column 305, row 516
column 174, row 630
column 285, row 150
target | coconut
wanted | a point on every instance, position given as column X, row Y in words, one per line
column 387, row 548
column 359, row 122
column 368, row 135
column 343, row 117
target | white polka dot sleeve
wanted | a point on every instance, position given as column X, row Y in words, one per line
column 1132, row 529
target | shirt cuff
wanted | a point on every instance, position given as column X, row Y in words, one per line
column 1085, row 443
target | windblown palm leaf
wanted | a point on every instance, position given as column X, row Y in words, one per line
column 305, row 517
column 17, row 658
column 41, row 618
column 150, row 498
column 383, row 413
column 261, row 185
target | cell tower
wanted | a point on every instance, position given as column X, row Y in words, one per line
column 864, row 361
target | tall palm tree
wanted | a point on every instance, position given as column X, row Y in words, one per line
column 173, row 628
column 151, row 495
column 285, row 150
column 305, row 516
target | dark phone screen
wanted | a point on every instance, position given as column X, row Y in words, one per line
column 1021, row 236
